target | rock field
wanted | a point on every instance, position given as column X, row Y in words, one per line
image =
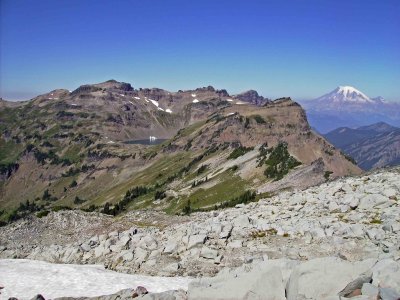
column 341, row 238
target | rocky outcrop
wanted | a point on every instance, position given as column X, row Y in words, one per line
column 252, row 97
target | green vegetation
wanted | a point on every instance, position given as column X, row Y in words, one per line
column 227, row 187
column 9, row 151
column 73, row 184
column 78, row 200
column 159, row 195
column 259, row 119
column 130, row 195
column 42, row 213
column 202, row 169
column 244, row 198
column 279, row 162
column 239, row 152
column 327, row 174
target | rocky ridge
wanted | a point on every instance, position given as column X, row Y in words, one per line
column 348, row 226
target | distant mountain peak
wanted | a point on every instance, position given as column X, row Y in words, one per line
column 346, row 94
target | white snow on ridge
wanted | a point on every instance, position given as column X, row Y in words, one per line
column 137, row 98
column 159, row 108
column 168, row 111
column 154, row 102
column 24, row 278
column 195, row 101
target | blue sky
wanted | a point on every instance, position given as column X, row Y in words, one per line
column 297, row 48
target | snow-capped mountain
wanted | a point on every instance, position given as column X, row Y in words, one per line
column 347, row 106
column 345, row 94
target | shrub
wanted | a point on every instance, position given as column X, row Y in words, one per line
column 259, row 119
column 78, row 200
column 327, row 174
column 279, row 162
column 187, row 209
column 202, row 169
column 42, row 213
column 73, row 184
column 159, row 195
column 239, row 152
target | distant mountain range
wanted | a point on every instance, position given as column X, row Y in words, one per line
column 349, row 107
column 373, row 146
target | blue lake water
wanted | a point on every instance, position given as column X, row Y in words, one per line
column 146, row 142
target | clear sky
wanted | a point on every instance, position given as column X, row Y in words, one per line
column 297, row 48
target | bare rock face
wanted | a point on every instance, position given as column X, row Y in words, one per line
column 252, row 97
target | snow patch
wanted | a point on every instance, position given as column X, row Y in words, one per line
column 194, row 95
column 240, row 103
column 122, row 95
column 74, row 104
column 154, row 102
column 229, row 100
column 195, row 101
column 168, row 111
column 137, row 98
column 131, row 102
column 24, row 278
column 159, row 108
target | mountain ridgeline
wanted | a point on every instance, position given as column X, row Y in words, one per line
column 373, row 146
column 67, row 149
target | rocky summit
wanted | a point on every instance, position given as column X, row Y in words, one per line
column 336, row 240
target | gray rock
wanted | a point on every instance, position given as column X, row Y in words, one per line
column 320, row 277
column 356, row 284
column 260, row 282
column 388, row 294
column 208, row 253
column 386, row 273
column 196, row 240
column 369, row 290
column 170, row 247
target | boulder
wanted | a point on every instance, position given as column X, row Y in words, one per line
column 208, row 253
column 196, row 240
column 261, row 282
column 370, row 290
column 323, row 277
column 386, row 274
column 388, row 294
column 170, row 247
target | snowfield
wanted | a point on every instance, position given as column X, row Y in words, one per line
column 24, row 278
